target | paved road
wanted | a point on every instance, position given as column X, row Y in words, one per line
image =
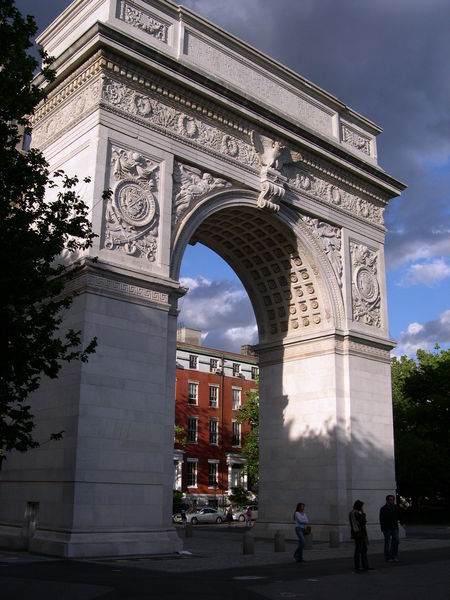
column 424, row 572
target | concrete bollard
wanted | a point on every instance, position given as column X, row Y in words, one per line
column 335, row 542
column 188, row 530
column 308, row 541
column 279, row 545
column 248, row 543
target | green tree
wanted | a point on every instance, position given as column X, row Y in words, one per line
column 179, row 435
column 239, row 496
column 249, row 413
column 35, row 233
column 421, row 397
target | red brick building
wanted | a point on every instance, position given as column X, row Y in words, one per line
column 211, row 385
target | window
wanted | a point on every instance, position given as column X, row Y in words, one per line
column 213, row 474
column 236, row 433
column 192, row 361
column 213, row 364
column 213, row 431
column 192, row 436
column 236, row 369
column 236, row 404
column 192, row 472
column 213, row 396
column 254, row 373
column 193, row 392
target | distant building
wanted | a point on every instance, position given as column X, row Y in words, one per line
column 211, row 385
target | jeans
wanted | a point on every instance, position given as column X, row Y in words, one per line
column 391, row 541
column 298, row 554
column 360, row 556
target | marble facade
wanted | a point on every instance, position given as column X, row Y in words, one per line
column 201, row 138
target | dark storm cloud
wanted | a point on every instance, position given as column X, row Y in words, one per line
column 387, row 60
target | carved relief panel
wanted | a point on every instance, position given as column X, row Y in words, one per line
column 365, row 286
column 191, row 184
column 131, row 216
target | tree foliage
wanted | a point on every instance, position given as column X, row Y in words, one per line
column 179, row 436
column 249, row 413
column 44, row 225
column 421, row 396
column 239, row 496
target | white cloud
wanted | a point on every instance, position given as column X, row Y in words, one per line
column 426, row 273
column 424, row 335
column 222, row 310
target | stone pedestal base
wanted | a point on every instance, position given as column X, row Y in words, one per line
column 67, row 544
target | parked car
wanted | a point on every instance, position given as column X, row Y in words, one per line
column 240, row 513
column 206, row 515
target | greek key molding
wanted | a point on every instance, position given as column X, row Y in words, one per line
column 137, row 17
column 365, row 287
column 131, row 214
column 120, row 287
column 353, row 347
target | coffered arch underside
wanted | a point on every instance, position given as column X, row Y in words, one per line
column 282, row 271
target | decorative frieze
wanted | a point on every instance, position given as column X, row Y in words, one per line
column 330, row 240
column 365, row 286
column 313, row 185
column 141, row 19
column 82, row 102
column 155, row 104
column 191, row 184
column 355, row 139
column 176, row 122
column 131, row 214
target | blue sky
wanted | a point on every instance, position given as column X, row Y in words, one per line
column 388, row 60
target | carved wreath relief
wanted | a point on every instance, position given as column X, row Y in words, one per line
column 365, row 287
column 191, row 184
column 131, row 214
column 331, row 194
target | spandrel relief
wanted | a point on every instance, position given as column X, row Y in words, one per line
column 191, row 184
column 365, row 287
column 132, row 212
column 330, row 239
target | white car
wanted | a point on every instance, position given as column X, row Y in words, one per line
column 240, row 514
column 206, row 515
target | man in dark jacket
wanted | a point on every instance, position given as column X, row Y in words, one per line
column 390, row 515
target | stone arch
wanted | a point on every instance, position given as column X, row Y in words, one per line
column 289, row 280
column 296, row 170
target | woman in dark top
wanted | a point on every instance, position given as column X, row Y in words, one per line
column 359, row 533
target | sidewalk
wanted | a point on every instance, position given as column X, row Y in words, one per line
column 220, row 547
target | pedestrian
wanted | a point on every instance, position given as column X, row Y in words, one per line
column 229, row 515
column 301, row 522
column 390, row 515
column 183, row 517
column 248, row 516
column 358, row 528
